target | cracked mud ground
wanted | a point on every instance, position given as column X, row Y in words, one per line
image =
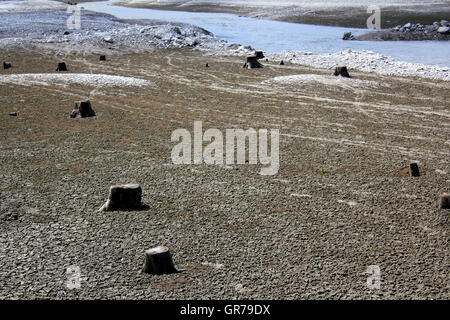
column 342, row 200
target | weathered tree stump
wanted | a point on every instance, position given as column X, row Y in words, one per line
column 6, row 65
column 61, row 66
column 159, row 261
column 444, row 201
column 82, row 109
column 252, row 62
column 414, row 170
column 123, row 197
column 102, row 58
column 341, row 71
column 259, row 55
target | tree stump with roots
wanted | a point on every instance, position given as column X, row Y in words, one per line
column 159, row 261
column 61, row 66
column 252, row 62
column 82, row 109
column 124, row 197
column 414, row 170
column 341, row 71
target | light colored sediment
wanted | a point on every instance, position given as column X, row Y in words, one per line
column 366, row 61
column 64, row 79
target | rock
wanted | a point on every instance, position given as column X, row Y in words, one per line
column 158, row 261
column 102, row 58
column 348, row 36
column 6, row 65
column 443, row 30
column 123, row 197
column 445, row 23
column 14, row 114
column 408, row 25
column 82, row 109
column 61, row 66
column 342, row 71
column 444, row 202
column 252, row 62
column 207, row 65
column 108, row 39
column 281, row 63
column 66, row 33
column 414, row 170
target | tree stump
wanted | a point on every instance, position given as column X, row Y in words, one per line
column 445, row 201
column 61, row 66
column 259, row 55
column 102, row 58
column 123, row 197
column 341, row 71
column 82, row 109
column 252, row 62
column 159, row 261
column 414, row 170
column 6, row 65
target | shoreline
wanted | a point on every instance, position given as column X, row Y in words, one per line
column 348, row 17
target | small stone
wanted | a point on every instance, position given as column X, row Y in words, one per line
column 348, row 36
column 108, row 39
column 6, row 65
column 408, row 25
column 66, row 33
column 445, row 23
column 281, row 63
column 14, row 114
column 102, row 58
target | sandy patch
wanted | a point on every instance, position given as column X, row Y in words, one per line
column 97, row 80
column 330, row 80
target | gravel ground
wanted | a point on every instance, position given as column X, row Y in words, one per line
column 342, row 200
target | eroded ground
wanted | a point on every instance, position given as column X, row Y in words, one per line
column 342, row 200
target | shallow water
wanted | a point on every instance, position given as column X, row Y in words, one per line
column 275, row 36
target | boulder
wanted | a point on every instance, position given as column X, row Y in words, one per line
column 159, row 261
column 61, row 66
column 348, row 36
column 6, row 65
column 444, row 30
column 341, row 71
column 82, row 109
column 123, row 197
